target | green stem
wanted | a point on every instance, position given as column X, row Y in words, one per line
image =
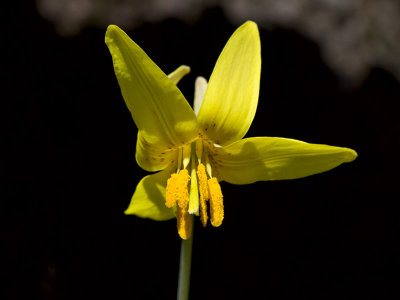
column 184, row 267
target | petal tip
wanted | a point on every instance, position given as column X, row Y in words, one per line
column 348, row 155
column 185, row 68
column 111, row 33
column 179, row 73
column 200, row 81
column 250, row 26
column 250, row 23
column 112, row 30
column 352, row 155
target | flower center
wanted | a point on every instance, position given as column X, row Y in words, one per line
column 189, row 194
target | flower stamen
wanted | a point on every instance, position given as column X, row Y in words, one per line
column 199, row 150
column 204, row 195
column 203, row 211
column 201, row 174
column 170, row 194
column 184, row 222
column 208, row 165
column 189, row 194
column 182, row 192
column 216, row 202
column 186, row 151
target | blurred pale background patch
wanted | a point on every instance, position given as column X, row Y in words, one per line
column 353, row 35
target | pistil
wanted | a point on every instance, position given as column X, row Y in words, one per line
column 194, row 189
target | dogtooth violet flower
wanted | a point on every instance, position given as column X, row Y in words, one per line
column 192, row 150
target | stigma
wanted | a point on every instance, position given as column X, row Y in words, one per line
column 192, row 190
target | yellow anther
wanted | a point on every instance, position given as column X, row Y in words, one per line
column 182, row 193
column 201, row 174
column 204, row 195
column 216, row 202
column 184, row 223
column 203, row 211
column 170, row 197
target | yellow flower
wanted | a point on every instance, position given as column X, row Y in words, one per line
column 195, row 149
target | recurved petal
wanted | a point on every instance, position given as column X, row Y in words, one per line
column 230, row 102
column 148, row 201
column 177, row 75
column 158, row 108
column 270, row 158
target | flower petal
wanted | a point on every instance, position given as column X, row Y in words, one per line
column 231, row 98
column 199, row 91
column 177, row 75
column 269, row 158
column 153, row 158
column 148, row 201
column 160, row 111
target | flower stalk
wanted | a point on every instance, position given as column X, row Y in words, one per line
column 185, row 267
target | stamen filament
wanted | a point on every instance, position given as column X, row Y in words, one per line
column 199, row 149
column 186, row 155
column 179, row 159
column 208, row 165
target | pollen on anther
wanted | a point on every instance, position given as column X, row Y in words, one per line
column 170, row 194
column 203, row 186
column 182, row 192
column 216, row 202
column 204, row 195
column 203, row 211
column 184, row 223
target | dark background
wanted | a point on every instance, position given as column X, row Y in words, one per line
column 68, row 172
